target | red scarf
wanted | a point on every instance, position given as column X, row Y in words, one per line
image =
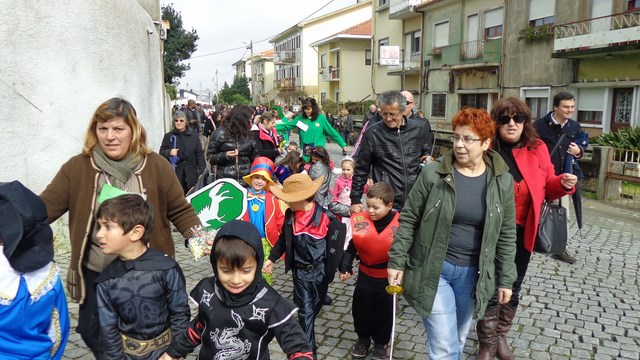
column 267, row 135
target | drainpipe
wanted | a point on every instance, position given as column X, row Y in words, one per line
column 421, row 79
column 503, row 53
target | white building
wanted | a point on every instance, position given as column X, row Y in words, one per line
column 60, row 61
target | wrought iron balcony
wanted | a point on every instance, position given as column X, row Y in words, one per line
column 286, row 56
column 287, row 83
column 471, row 49
column 605, row 34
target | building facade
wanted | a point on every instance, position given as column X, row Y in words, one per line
column 345, row 64
column 296, row 62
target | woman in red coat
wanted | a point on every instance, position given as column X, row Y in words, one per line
column 534, row 180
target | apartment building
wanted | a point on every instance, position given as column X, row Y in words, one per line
column 589, row 48
column 296, row 61
column 345, row 64
column 262, row 76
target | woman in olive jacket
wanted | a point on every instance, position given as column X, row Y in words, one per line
column 456, row 240
column 232, row 148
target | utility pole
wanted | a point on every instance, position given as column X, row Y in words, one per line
column 250, row 46
column 216, row 84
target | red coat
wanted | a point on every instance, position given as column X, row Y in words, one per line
column 274, row 218
column 537, row 170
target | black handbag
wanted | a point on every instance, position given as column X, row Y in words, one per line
column 552, row 230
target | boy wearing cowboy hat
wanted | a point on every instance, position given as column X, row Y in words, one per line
column 312, row 241
column 34, row 319
column 263, row 208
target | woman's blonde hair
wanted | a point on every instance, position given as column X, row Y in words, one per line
column 108, row 110
column 344, row 112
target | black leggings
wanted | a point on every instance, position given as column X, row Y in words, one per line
column 523, row 257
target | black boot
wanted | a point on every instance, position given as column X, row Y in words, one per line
column 506, row 313
column 487, row 335
column 565, row 257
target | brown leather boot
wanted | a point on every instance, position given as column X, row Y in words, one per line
column 487, row 335
column 506, row 313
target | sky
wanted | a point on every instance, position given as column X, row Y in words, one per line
column 225, row 24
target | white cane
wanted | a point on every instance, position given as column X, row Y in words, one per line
column 394, row 290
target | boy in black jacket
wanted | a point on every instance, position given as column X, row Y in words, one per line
column 312, row 240
column 142, row 300
column 238, row 312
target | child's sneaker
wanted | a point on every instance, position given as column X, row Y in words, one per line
column 379, row 352
column 360, row 349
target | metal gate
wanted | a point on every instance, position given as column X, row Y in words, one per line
column 622, row 178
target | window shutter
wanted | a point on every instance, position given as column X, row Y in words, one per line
column 493, row 18
column 539, row 9
column 591, row 99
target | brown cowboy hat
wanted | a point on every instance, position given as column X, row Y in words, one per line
column 297, row 187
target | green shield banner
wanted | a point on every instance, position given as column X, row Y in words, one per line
column 219, row 202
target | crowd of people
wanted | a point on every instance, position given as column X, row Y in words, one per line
column 456, row 231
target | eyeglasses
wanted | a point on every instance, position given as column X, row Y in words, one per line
column 505, row 119
column 467, row 140
column 390, row 115
column 178, row 121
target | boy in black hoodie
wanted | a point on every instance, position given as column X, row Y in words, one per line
column 238, row 312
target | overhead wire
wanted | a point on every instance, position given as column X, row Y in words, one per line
column 259, row 41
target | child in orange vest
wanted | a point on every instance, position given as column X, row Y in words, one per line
column 373, row 232
column 263, row 208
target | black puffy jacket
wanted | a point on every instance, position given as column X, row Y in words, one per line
column 391, row 156
column 227, row 167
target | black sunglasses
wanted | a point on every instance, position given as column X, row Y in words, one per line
column 505, row 119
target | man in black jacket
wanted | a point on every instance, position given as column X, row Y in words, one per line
column 551, row 128
column 390, row 151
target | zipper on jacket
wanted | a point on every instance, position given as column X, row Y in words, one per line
column 430, row 211
column 404, row 163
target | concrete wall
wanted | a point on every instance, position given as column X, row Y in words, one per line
column 355, row 79
column 529, row 63
column 60, row 61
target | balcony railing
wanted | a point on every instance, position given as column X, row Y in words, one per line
column 471, row 49
column 400, row 9
column 287, row 83
column 286, row 56
column 598, row 32
column 331, row 74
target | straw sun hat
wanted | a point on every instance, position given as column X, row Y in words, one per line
column 297, row 187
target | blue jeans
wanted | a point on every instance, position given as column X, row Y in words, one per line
column 450, row 320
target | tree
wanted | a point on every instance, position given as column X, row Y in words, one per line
column 241, row 86
column 179, row 46
column 172, row 91
column 237, row 93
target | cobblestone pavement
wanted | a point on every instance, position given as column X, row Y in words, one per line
column 588, row 310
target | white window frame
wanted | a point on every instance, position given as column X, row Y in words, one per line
column 541, row 12
column 491, row 23
column 537, row 92
column 439, row 40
